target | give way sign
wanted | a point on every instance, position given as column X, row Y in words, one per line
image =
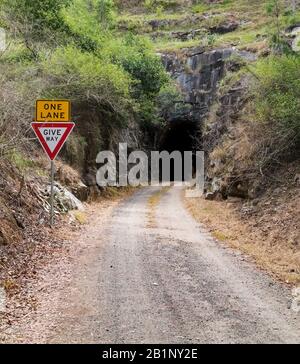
column 52, row 136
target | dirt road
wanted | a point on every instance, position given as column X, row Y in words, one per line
column 166, row 281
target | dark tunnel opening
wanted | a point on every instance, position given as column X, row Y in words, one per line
column 183, row 136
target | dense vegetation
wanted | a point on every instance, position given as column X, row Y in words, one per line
column 70, row 49
column 278, row 94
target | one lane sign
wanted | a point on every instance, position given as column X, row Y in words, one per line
column 52, row 136
column 53, row 111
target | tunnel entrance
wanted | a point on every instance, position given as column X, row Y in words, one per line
column 180, row 135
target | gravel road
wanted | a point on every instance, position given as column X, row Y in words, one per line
column 168, row 282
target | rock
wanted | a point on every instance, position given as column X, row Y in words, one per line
column 90, row 178
column 216, row 184
column 292, row 35
column 67, row 175
column 297, row 179
column 292, row 28
column 295, row 306
column 71, row 201
column 198, row 74
column 81, row 191
column 247, row 209
column 64, row 199
column 214, row 196
column 239, row 189
column 184, row 36
column 296, row 41
column 224, row 28
column 209, row 196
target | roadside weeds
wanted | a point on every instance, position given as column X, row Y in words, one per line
column 260, row 236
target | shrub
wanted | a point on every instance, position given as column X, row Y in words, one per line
column 144, row 66
column 82, row 77
column 24, row 15
column 278, row 94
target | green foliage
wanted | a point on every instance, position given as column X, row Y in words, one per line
column 119, row 74
column 135, row 55
column 200, row 7
column 278, row 93
column 106, row 12
column 82, row 22
column 37, row 15
column 281, row 17
column 82, row 76
column 168, row 100
column 143, row 66
column 160, row 5
column 75, row 150
column 20, row 161
column 71, row 49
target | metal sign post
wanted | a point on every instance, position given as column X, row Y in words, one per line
column 52, row 195
column 52, row 127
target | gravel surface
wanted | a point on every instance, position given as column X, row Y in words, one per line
column 168, row 282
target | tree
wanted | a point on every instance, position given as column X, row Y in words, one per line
column 34, row 21
column 36, row 14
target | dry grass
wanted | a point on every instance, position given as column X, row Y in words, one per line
column 80, row 217
column 153, row 202
column 113, row 193
column 271, row 235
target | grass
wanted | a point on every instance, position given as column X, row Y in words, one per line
column 272, row 253
column 80, row 217
column 255, row 24
column 175, row 45
column 153, row 202
column 219, row 235
column 117, row 192
column 9, row 285
column 20, row 161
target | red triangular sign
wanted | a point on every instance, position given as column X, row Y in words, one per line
column 52, row 136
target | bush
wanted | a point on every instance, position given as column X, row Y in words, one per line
column 36, row 15
column 82, row 77
column 278, row 94
column 69, row 49
column 153, row 5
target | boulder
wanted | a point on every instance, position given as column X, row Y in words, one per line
column 81, row 191
column 224, row 28
column 64, row 200
column 214, row 196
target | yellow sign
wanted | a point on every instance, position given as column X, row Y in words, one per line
column 53, row 110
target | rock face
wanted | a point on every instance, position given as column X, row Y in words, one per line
column 225, row 27
column 221, row 173
column 296, row 40
column 199, row 72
